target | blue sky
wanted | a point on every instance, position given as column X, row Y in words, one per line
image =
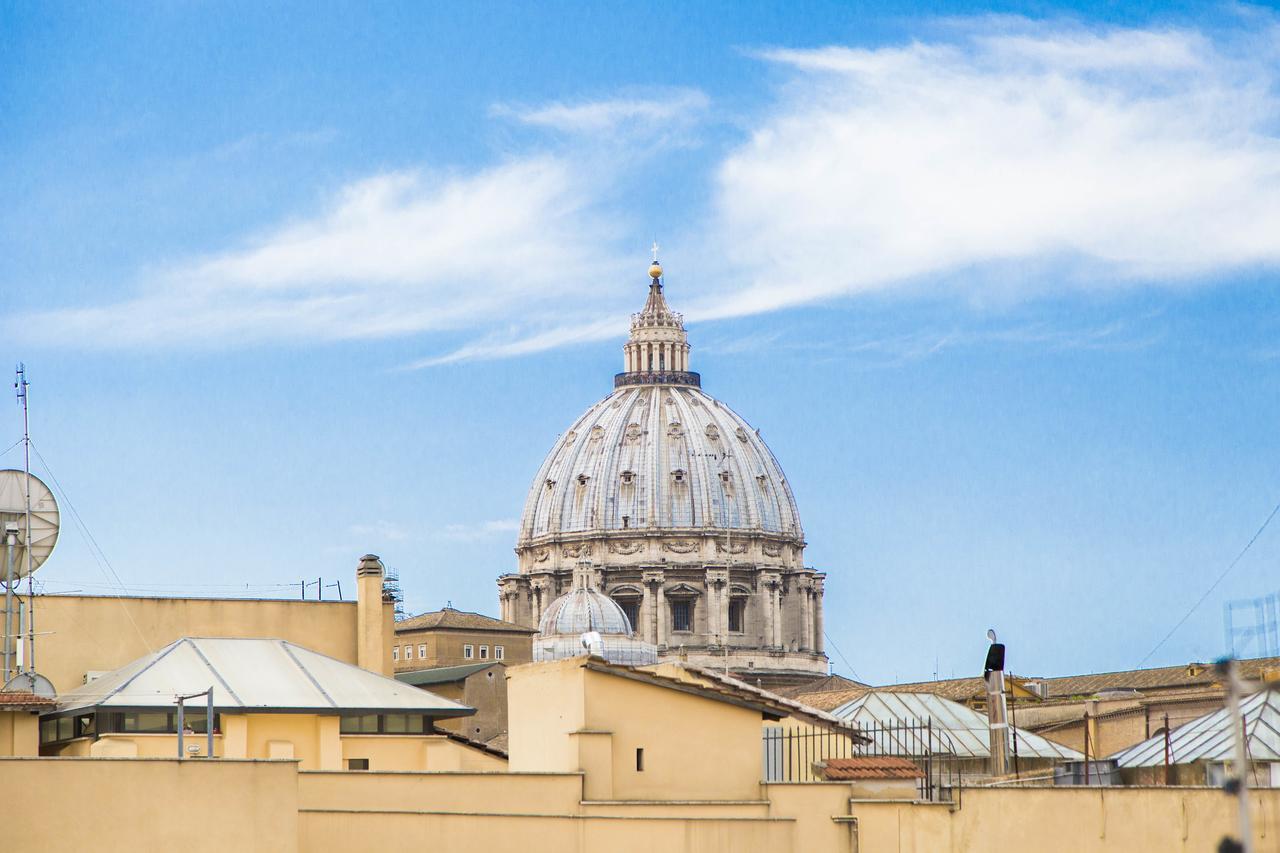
column 996, row 282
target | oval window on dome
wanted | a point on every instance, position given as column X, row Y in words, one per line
column 628, row 477
column 679, row 475
column 582, row 479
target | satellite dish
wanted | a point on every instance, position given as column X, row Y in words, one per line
column 31, row 682
column 44, row 520
column 591, row 640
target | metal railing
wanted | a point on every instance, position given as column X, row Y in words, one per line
column 800, row 754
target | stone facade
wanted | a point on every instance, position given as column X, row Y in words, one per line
column 682, row 512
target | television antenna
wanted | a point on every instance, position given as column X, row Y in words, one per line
column 29, row 530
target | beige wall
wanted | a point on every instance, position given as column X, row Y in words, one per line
column 19, row 733
column 564, row 717
column 445, row 647
column 95, row 633
column 142, row 804
column 313, row 740
column 74, row 805
column 1070, row 820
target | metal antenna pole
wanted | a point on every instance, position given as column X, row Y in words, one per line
column 10, row 542
column 1240, row 784
column 21, row 385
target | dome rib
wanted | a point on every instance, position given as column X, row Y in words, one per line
column 757, row 496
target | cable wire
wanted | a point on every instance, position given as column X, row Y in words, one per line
column 99, row 556
column 1212, row 587
column 852, row 671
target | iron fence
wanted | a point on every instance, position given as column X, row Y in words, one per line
column 800, row 754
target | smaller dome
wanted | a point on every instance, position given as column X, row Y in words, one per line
column 581, row 610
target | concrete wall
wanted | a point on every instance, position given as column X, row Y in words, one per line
column 445, row 647
column 19, row 733
column 566, row 718
column 82, row 633
column 486, row 691
column 75, row 805
column 1070, row 820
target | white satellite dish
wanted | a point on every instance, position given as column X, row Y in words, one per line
column 31, row 682
column 44, row 520
column 591, row 640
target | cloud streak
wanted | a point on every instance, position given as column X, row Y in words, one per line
column 1091, row 158
column 1007, row 160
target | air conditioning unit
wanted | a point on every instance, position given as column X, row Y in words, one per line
column 1038, row 688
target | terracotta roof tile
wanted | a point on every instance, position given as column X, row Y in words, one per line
column 1193, row 675
column 459, row 619
column 24, row 699
column 870, row 767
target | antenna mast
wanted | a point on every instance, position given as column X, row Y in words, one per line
column 20, row 385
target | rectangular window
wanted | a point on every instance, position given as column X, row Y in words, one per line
column 484, row 653
column 468, row 652
column 357, row 764
column 682, row 616
column 640, row 759
column 384, row 724
column 631, row 607
column 358, row 724
column 737, row 610
column 395, row 653
column 408, row 652
column 422, row 651
column 499, row 653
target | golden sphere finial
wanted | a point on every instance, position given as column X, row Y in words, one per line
column 655, row 271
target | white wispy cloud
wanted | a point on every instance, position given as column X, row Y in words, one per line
column 392, row 254
column 480, row 530
column 1050, row 157
column 656, row 113
column 1002, row 160
column 380, row 529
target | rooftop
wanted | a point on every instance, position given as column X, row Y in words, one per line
column 870, row 767
column 448, row 618
column 253, row 674
column 443, row 674
column 1062, row 687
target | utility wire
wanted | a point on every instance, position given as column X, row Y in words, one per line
column 852, row 671
column 1211, row 588
column 5, row 452
column 99, row 556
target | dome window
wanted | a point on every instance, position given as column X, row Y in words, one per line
column 678, row 475
column 726, row 477
column 628, row 477
column 582, row 479
column 550, row 484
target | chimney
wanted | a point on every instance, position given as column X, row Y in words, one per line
column 371, row 650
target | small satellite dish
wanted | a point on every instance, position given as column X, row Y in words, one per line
column 591, row 640
column 31, row 682
column 44, row 520
column 991, row 634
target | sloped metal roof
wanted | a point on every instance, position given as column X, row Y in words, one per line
column 966, row 729
column 253, row 674
column 1210, row 738
column 444, row 674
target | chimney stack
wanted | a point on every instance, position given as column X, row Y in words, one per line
column 371, row 648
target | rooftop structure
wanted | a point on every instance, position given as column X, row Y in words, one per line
column 252, row 675
column 965, row 731
column 1210, row 737
column 585, row 621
